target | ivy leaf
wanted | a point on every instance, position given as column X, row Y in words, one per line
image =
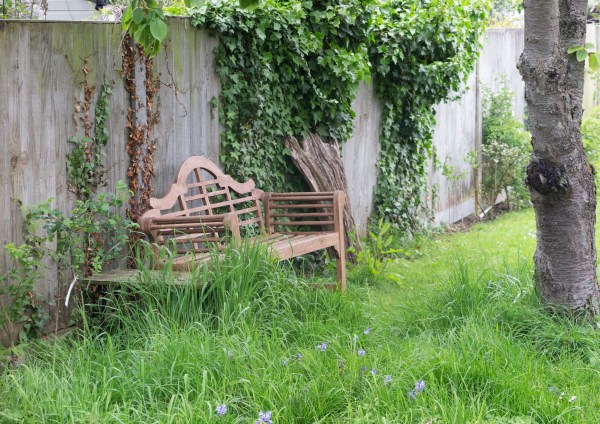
column 581, row 55
column 126, row 20
column 594, row 61
column 193, row 3
column 138, row 16
column 248, row 4
column 139, row 32
column 158, row 28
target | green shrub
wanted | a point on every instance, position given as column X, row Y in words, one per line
column 590, row 134
column 505, row 150
column 374, row 261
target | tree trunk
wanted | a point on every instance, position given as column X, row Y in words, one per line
column 322, row 167
column 559, row 176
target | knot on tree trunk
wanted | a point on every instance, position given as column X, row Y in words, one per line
column 545, row 177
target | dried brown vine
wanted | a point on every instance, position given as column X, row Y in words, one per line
column 142, row 115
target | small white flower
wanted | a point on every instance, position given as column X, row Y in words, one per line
column 572, row 399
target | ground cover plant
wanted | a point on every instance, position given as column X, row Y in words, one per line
column 462, row 339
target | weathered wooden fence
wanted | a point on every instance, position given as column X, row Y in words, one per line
column 459, row 127
column 40, row 83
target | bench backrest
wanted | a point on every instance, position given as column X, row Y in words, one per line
column 201, row 188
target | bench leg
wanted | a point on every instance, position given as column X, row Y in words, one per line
column 341, row 272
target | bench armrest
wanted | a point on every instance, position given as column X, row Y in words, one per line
column 156, row 226
column 323, row 210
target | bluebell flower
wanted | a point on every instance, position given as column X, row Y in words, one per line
column 221, row 409
column 373, row 371
column 298, row 356
column 361, row 352
column 284, row 362
column 264, row 418
column 419, row 386
column 322, row 347
column 367, row 331
column 363, row 368
column 387, row 379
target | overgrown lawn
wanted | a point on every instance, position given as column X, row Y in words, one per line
column 464, row 322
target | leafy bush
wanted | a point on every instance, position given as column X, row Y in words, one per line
column 292, row 68
column 373, row 262
column 505, row 150
column 590, row 133
column 19, row 9
column 90, row 236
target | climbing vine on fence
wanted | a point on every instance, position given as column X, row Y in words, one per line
column 420, row 56
column 286, row 69
column 79, row 242
column 293, row 67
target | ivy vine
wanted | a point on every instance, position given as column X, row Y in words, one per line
column 85, row 163
column 421, row 56
column 286, row 69
column 91, row 235
column 293, row 67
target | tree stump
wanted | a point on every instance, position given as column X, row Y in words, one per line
column 320, row 163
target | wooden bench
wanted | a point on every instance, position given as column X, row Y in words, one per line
column 204, row 204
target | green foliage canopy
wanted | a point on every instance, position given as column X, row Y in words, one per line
column 293, row 67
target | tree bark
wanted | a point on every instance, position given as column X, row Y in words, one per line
column 559, row 176
column 322, row 167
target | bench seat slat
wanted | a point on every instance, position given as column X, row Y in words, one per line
column 274, row 205
column 299, row 245
column 303, row 193
column 298, row 223
column 302, row 215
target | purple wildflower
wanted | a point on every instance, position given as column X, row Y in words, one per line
column 387, row 379
column 412, row 394
column 363, row 369
column 419, row 386
column 298, row 356
column 264, row 418
column 367, row 331
column 373, row 371
column 284, row 362
column 221, row 409
column 361, row 352
column 322, row 347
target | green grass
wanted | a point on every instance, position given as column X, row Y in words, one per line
column 464, row 320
